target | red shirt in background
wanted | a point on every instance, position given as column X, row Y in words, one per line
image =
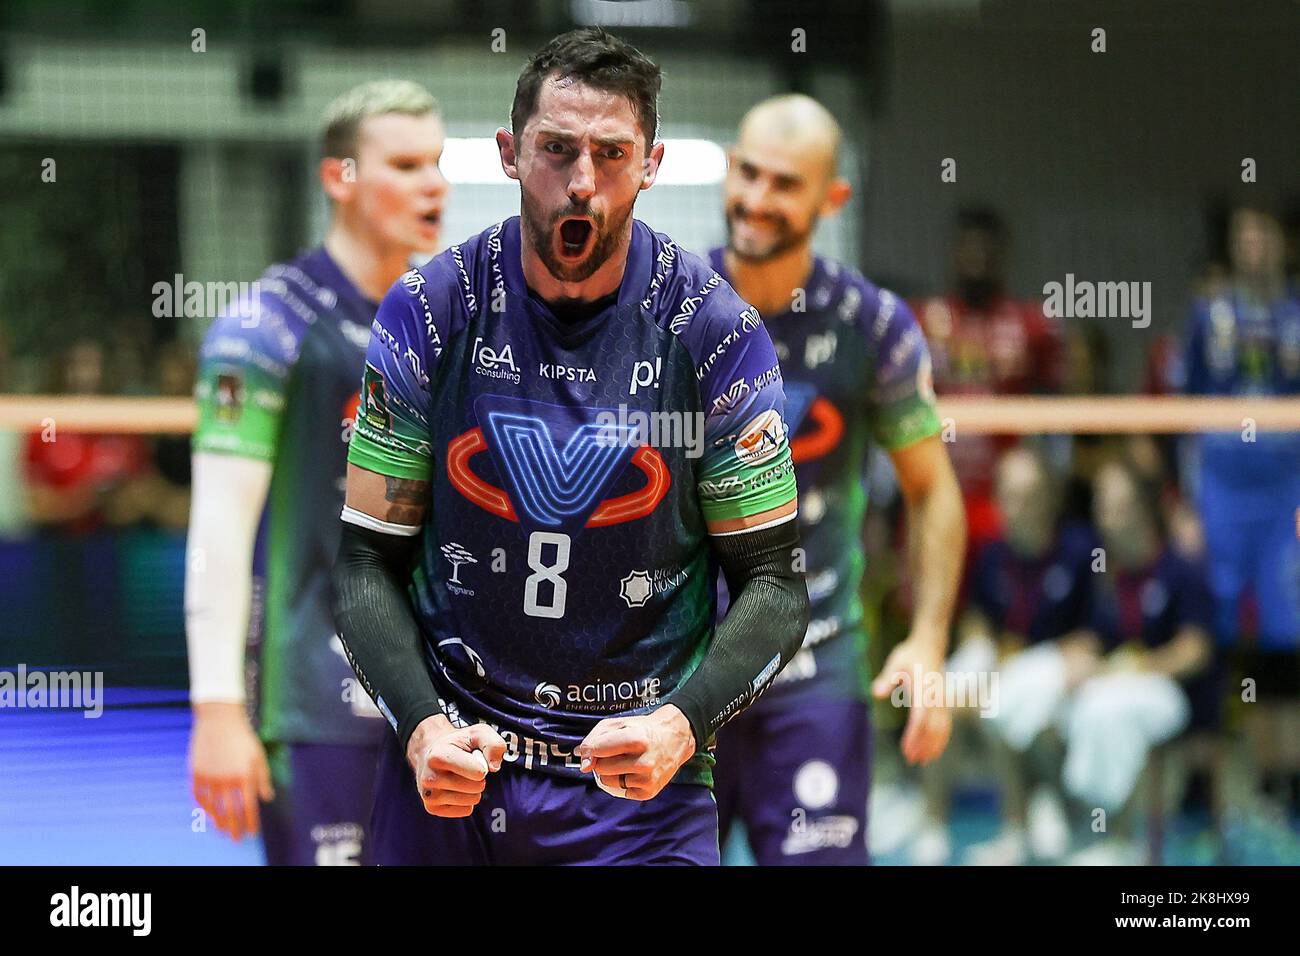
column 1007, row 347
column 81, row 464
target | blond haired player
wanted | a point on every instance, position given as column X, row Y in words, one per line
column 277, row 394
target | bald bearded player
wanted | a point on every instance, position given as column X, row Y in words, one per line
column 795, row 767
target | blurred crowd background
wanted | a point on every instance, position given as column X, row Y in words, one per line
column 189, row 154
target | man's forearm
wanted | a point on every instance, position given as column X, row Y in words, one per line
column 764, row 627
column 936, row 529
column 377, row 627
column 229, row 494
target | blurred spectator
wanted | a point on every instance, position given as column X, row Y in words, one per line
column 985, row 343
column 1163, row 372
column 1086, row 367
column 73, row 480
column 1152, row 615
column 1244, row 341
column 1154, row 459
column 1134, row 677
column 1028, row 587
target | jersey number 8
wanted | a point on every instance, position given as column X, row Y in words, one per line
column 547, row 572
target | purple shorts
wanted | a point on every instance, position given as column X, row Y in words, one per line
column 531, row 818
column 798, row 778
column 323, row 794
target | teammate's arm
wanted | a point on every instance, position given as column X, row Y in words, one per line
column 905, row 422
column 937, row 531
column 228, row 763
column 936, row 524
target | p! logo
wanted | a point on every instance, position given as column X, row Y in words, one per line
column 645, row 374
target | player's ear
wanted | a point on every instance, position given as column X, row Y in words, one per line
column 650, row 169
column 506, row 146
column 338, row 178
column 837, row 194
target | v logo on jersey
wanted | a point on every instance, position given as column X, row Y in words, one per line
column 554, row 481
column 827, row 424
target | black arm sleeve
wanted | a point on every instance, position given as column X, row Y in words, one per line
column 373, row 615
column 763, row 628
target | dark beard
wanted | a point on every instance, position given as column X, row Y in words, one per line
column 606, row 241
column 787, row 240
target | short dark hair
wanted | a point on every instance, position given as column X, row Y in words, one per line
column 600, row 60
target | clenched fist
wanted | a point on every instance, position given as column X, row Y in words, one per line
column 451, row 766
column 636, row 757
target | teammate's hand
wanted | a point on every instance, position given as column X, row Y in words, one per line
column 636, row 757
column 928, row 727
column 451, row 766
column 228, row 767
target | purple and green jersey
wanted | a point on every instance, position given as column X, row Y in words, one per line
column 277, row 382
column 564, row 573
column 857, row 371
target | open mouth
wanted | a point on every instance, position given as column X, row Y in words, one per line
column 432, row 218
column 574, row 236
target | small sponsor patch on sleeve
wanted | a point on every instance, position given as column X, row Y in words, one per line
column 229, row 397
column 762, row 439
column 374, row 403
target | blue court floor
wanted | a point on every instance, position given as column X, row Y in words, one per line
column 107, row 790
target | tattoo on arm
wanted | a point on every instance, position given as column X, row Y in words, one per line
column 406, row 499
